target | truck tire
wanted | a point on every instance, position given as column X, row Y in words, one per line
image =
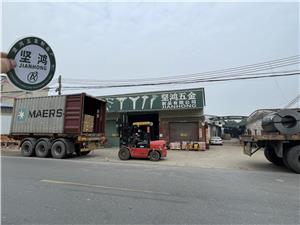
column 124, row 153
column 27, row 147
column 270, row 155
column 292, row 158
column 154, row 155
column 59, row 149
column 42, row 148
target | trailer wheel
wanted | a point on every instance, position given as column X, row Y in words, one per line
column 59, row 149
column 27, row 147
column 154, row 155
column 124, row 153
column 270, row 155
column 42, row 148
column 292, row 158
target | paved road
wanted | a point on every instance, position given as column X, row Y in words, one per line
column 49, row 191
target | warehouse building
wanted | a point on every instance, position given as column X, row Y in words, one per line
column 177, row 116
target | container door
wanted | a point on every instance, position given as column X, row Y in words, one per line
column 73, row 114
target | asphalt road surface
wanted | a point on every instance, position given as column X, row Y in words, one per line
column 49, row 191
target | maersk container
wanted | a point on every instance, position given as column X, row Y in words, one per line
column 58, row 125
column 57, row 115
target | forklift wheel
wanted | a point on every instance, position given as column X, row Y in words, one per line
column 124, row 153
column 154, row 156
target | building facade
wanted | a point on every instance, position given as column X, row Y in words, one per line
column 176, row 115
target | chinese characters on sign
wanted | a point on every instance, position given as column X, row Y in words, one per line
column 26, row 62
column 35, row 64
column 25, row 57
column 181, row 100
column 187, row 99
column 42, row 59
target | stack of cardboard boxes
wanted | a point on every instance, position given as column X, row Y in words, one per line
column 88, row 123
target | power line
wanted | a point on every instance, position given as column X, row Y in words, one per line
column 226, row 72
column 180, row 82
column 237, row 73
column 129, row 82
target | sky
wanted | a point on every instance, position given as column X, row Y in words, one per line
column 117, row 41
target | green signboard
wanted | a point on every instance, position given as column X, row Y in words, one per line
column 168, row 100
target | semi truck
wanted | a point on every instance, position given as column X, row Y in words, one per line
column 58, row 126
column 280, row 139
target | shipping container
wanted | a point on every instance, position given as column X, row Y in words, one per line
column 76, row 122
column 58, row 115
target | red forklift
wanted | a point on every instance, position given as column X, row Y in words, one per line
column 135, row 142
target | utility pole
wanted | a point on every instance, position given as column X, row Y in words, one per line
column 59, row 86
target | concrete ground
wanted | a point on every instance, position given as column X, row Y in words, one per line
column 54, row 191
column 228, row 156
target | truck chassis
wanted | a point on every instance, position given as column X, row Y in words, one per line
column 58, row 146
column 278, row 149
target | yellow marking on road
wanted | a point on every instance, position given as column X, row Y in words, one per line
column 103, row 187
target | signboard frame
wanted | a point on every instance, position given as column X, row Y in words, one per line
column 19, row 45
column 157, row 101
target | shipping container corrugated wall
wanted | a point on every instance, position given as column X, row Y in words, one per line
column 39, row 115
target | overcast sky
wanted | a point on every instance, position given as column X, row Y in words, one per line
column 141, row 40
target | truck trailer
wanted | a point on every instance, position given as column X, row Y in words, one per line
column 58, row 126
column 280, row 139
